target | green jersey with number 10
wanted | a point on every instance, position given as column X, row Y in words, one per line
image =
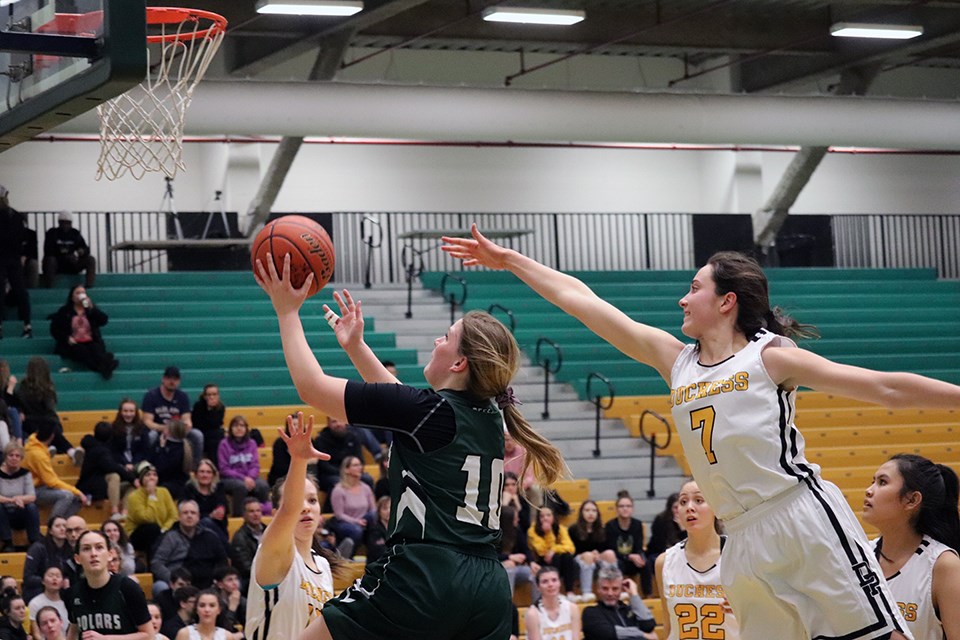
column 451, row 495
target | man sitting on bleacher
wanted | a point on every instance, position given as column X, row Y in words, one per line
column 247, row 538
column 187, row 543
column 611, row 618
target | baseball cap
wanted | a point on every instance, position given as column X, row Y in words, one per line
column 171, row 372
column 65, row 216
column 143, row 467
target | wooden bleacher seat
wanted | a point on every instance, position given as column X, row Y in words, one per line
column 11, row 563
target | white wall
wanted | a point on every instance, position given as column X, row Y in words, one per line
column 56, row 175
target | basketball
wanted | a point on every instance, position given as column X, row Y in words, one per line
column 309, row 246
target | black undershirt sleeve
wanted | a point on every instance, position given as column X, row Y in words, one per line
column 421, row 418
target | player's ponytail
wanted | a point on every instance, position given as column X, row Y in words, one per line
column 740, row 274
column 939, row 488
column 493, row 358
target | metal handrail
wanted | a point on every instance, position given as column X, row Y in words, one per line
column 513, row 320
column 596, row 401
column 452, row 298
column 654, row 446
column 368, row 239
column 413, row 266
column 547, row 370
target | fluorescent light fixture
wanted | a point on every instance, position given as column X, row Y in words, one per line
column 865, row 30
column 563, row 17
column 310, row 7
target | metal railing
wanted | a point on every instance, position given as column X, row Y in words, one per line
column 654, row 445
column 451, row 296
column 598, row 401
column 548, row 368
column 567, row 241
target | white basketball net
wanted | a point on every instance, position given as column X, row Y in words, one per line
column 141, row 131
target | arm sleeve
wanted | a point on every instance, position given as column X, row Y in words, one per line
column 135, row 601
column 160, row 560
column 537, row 544
column 338, row 501
column 645, row 620
column 421, row 417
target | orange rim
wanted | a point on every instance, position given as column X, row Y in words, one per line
column 176, row 15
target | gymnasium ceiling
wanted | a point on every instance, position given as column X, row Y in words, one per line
column 737, row 46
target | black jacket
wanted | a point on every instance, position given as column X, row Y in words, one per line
column 97, row 463
column 12, row 233
column 600, row 622
column 42, row 555
column 61, row 325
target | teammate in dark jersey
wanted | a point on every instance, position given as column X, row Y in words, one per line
column 440, row 576
column 105, row 606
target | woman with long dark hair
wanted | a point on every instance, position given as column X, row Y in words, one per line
column 37, row 398
column 239, row 463
column 76, row 329
column 792, row 537
column 130, row 441
column 913, row 502
column 591, row 548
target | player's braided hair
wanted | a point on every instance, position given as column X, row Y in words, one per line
column 493, row 358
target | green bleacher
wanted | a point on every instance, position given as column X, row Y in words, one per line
column 218, row 327
column 885, row 319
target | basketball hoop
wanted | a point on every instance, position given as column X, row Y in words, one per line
column 142, row 130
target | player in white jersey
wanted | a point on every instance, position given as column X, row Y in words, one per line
column 796, row 559
column 553, row 617
column 688, row 575
column 291, row 578
column 913, row 503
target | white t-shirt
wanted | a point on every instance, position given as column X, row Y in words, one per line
column 40, row 601
column 284, row 610
column 912, row 587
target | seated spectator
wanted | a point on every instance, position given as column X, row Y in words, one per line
column 72, row 569
column 206, row 490
column 130, row 440
column 150, row 510
column 281, row 457
column 50, row 624
column 354, row 506
column 233, row 605
column 247, row 539
column 179, row 578
column 553, row 616
column 4, row 426
column 172, row 456
column 117, row 536
column 167, row 402
column 14, row 615
column 240, row 465
column 515, row 555
column 590, row 540
column 17, row 497
column 8, row 387
column 611, row 618
column 377, row 531
column 50, row 597
column 63, row 498
column 100, row 475
column 207, row 612
column 53, row 550
column 207, row 416
column 37, row 400
column 187, row 543
column 186, row 599
column 552, row 545
column 75, row 328
column 665, row 531
column 511, row 496
column 156, row 619
column 625, row 537
column 339, row 440
column 65, row 251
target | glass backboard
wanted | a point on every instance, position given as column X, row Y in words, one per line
column 61, row 58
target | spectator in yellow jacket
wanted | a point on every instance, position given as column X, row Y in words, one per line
column 63, row 498
column 553, row 546
column 150, row 510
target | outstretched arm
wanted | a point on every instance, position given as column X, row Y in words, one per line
column 790, row 368
column 641, row 342
column 348, row 328
column 314, row 386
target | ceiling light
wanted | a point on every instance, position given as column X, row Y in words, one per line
column 864, row 30
column 533, row 16
column 310, row 7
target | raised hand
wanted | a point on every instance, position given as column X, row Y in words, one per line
column 283, row 295
column 299, row 442
column 476, row 251
column 349, row 326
